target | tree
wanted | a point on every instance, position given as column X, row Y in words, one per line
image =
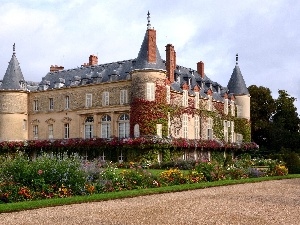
column 286, row 116
column 262, row 109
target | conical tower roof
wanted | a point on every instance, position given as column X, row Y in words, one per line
column 142, row 61
column 236, row 84
column 13, row 78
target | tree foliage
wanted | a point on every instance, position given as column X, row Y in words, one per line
column 274, row 122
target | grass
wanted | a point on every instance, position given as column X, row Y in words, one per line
column 29, row 205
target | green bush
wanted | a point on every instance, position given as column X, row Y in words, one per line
column 292, row 161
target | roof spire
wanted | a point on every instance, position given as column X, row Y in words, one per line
column 14, row 48
column 148, row 18
column 236, row 58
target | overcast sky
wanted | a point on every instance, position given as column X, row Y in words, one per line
column 265, row 34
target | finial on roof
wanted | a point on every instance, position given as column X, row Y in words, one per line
column 236, row 58
column 14, row 48
column 148, row 18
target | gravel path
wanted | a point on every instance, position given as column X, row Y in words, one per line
column 271, row 202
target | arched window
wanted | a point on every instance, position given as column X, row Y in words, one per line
column 88, row 127
column 124, row 126
column 106, row 126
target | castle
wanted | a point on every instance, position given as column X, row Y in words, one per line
column 131, row 98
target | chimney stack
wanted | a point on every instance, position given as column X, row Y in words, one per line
column 93, row 60
column 151, row 45
column 56, row 68
column 170, row 62
column 200, row 68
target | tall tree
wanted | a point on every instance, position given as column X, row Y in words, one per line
column 262, row 109
column 286, row 115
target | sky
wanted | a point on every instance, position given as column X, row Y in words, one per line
column 265, row 34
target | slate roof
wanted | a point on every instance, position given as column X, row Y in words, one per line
column 236, row 84
column 13, row 76
column 141, row 61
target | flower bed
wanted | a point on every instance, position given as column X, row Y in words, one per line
column 48, row 176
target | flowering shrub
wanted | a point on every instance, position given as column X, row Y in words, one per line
column 172, row 177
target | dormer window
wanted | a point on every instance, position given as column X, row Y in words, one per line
column 232, row 108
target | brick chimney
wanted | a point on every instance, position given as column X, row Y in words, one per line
column 93, row 60
column 200, row 68
column 170, row 62
column 151, row 45
column 56, row 68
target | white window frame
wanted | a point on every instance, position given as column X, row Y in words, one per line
column 239, row 110
column 89, row 127
column 51, row 103
column 106, row 126
column 225, row 124
column 232, row 136
column 232, row 108
column 66, row 130
column 88, row 100
column 123, row 126
column 209, row 103
column 210, row 129
column 123, row 97
column 197, row 100
column 168, row 95
column 197, row 126
column 159, row 130
column 50, row 131
column 36, row 105
column 136, row 130
column 226, row 106
column 150, row 94
column 67, row 102
column 185, row 125
column 185, row 98
column 105, row 98
column 35, row 131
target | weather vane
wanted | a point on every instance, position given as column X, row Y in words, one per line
column 148, row 18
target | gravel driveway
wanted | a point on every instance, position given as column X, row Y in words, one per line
column 270, row 202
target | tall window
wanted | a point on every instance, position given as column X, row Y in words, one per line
column 150, row 96
column 124, row 126
column 66, row 130
column 185, row 98
column 226, row 106
column 226, row 124
column 197, row 127
column 35, row 105
column 136, row 130
column 168, row 94
column 123, row 97
column 51, row 104
column 197, row 100
column 185, row 125
column 24, row 124
column 209, row 129
column 232, row 108
column 88, row 100
column 232, row 137
column 50, row 131
column 36, row 131
column 105, row 126
column 239, row 110
column 105, row 98
column 209, row 103
column 159, row 130
column 67, row 102
column 88, row 127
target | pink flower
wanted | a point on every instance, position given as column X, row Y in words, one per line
column 40, row 172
